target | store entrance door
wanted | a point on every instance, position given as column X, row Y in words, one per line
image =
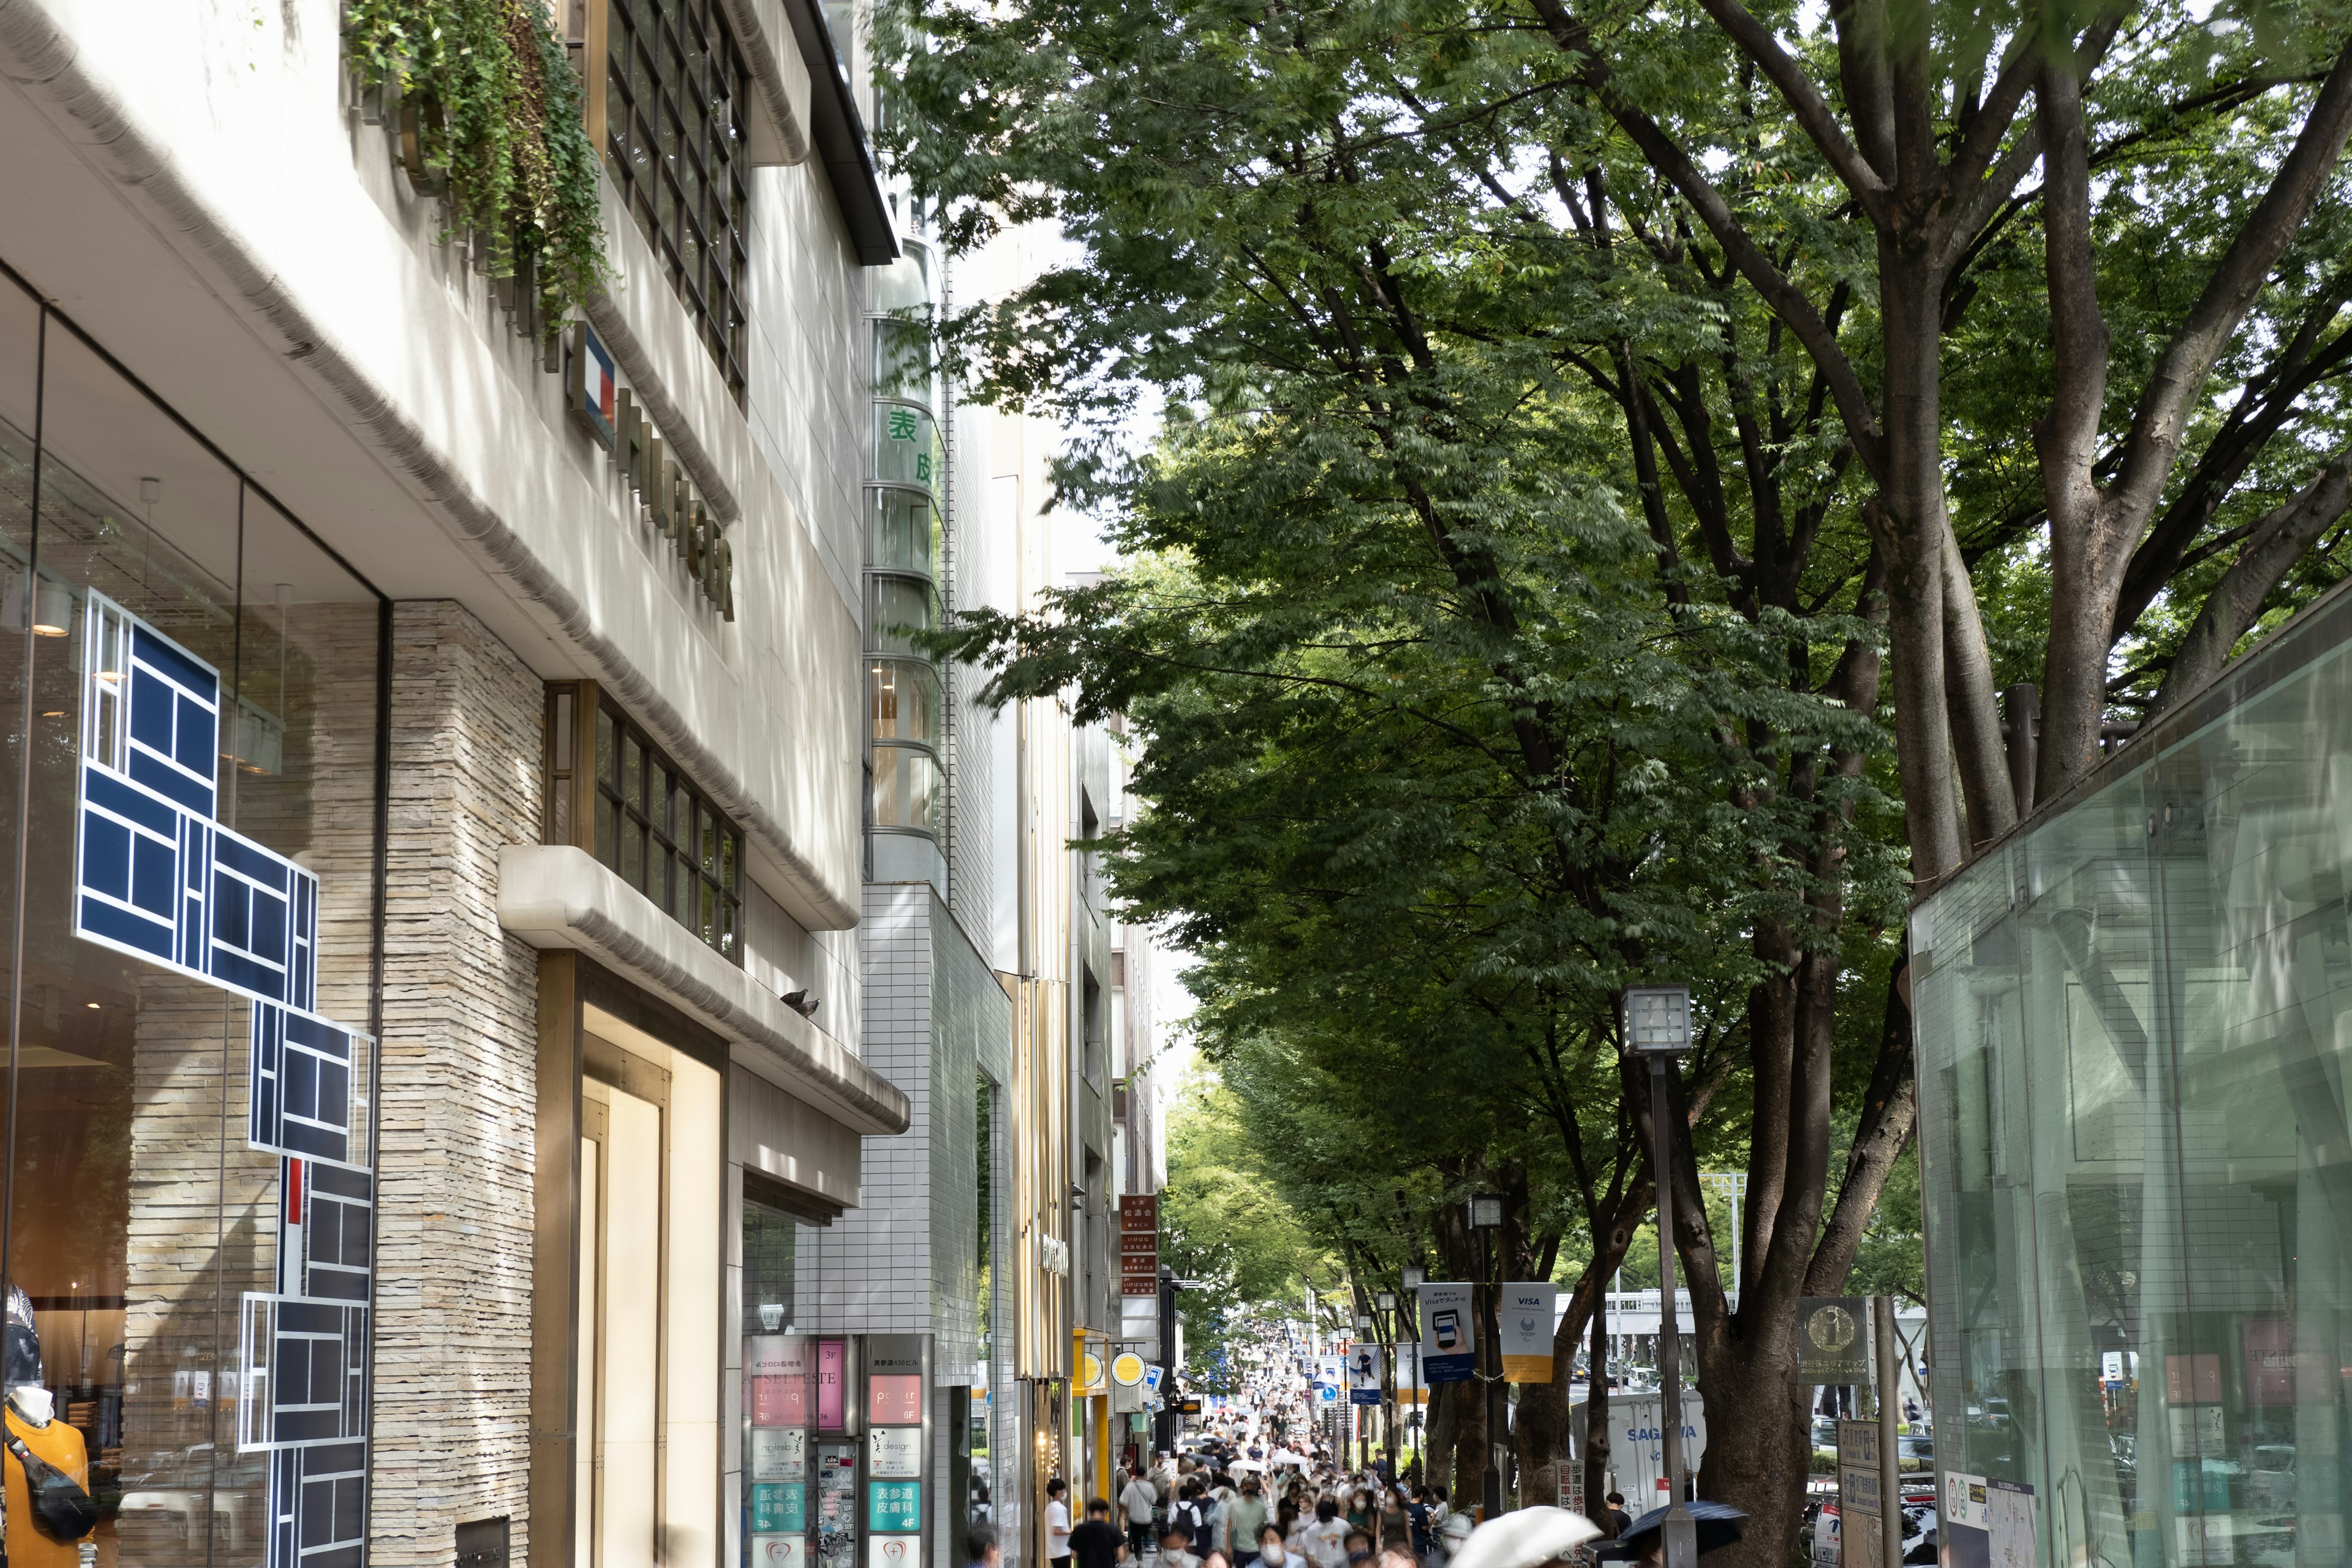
column 618, row 1481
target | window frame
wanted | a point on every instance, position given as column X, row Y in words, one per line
column 590, row 810
column 682, row 33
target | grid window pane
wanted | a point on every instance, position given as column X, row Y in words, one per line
column 664, row 838
column 672, row 76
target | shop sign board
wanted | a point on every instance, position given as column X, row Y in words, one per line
column 1448, row 1331
column 894, row 1505
column 1529, row 1310
column 779, row 1508
column 895, row 1453
column 1139, row 1245
column 894, row 1552
column 779, row 1454
column 1831, row 1348
column 832, row 1364
column 894, row 1401
column 779, row 1552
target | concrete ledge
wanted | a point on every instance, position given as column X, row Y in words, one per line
column 554, row 895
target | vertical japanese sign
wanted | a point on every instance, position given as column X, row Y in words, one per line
column 1139, row 1245
column 1861, row 1506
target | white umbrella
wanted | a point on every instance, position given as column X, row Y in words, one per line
column 1525, row 1538
column 1242, row 1466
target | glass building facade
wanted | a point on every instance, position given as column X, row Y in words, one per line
column 2135, row 1055
column 191, row 692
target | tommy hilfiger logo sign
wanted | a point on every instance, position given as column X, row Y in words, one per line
column 603, row 406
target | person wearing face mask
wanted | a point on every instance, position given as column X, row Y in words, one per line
column 1360, row 1549
column 1270, row 1549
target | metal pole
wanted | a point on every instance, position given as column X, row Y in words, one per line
column 1890, row 1479
column 1164, row 1422
column 1497, row 1410
column 1681, row 1531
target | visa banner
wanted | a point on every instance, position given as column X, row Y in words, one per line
column 1449, row 1332
column 1527, row 1324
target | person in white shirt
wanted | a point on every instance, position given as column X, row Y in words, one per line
column 1138, row 1498
column 1057, row 1522
column 1327, row 1539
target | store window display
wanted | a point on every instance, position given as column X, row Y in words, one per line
column 191, row 1203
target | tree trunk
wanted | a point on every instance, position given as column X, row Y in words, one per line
column 1596, row 1418
column 1437, row 1438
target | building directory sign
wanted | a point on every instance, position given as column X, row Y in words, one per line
column 895, row 1453
column 1449, row 1332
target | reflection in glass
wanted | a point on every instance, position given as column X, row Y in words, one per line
column 904, row 534
column 897, row 608
column 139, row 1214
column 2134, row 1027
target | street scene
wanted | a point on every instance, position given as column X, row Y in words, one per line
column 1237, row 784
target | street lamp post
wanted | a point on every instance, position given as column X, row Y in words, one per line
column 1414, row 1277
column 1485, row 1219
column 1386, row 1301
column 1657, row 1026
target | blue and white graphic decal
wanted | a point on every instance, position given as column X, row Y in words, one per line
column 157, row 876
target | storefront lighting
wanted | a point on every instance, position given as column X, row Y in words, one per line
column 52, row 610
column 52, row 605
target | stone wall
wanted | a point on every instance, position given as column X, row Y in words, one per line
column 453, row 1282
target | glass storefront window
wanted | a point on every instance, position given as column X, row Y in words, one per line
column 907, row 792
column 903, row 700
column 906, row 446
column 663, row 838
column 905, row 533
column 193, row 1167
column 2134, row 1036
column 902, row 360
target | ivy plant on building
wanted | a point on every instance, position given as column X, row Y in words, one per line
column 495, row 108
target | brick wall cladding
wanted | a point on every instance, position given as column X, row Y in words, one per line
column 453, row 1282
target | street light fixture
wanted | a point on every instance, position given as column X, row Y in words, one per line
column 1385, row 1300
column 1658, row 1027
column 1486, row 1218
column 1415, row 1276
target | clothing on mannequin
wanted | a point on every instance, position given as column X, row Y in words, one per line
column 30, row 1418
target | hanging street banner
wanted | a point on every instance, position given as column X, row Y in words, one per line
column 1364, row 1375
column 1832, row 1347
column 1527, row 1317
column 1331, row 1371
column 1449, row 1334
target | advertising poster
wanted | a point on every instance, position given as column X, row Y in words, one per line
column 1449, row 1342
column 1331, row 1369
column 1364, row 1375
column 1527, row 1324
column 1989, row 1523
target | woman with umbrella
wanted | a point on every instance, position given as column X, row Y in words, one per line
column 1644, row 1541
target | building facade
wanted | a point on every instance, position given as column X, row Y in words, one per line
column 2133, row 1020
column 436, row 811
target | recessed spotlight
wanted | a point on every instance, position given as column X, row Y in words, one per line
column 59, row 713
column 91, row 1005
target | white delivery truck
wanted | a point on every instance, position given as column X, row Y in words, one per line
column 1637, row 1455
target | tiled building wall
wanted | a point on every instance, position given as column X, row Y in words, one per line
column 871, row 1270
column 453, row 1292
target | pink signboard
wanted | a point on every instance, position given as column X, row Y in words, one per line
column 894, row 1402
column 779, row 1401
column 831, row 1361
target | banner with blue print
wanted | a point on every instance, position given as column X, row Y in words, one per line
column 155, row 874
column 158, row 876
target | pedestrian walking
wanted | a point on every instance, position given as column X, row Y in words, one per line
column 1139, row 1499
column 1098, row 1543
column 1057, row 1522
